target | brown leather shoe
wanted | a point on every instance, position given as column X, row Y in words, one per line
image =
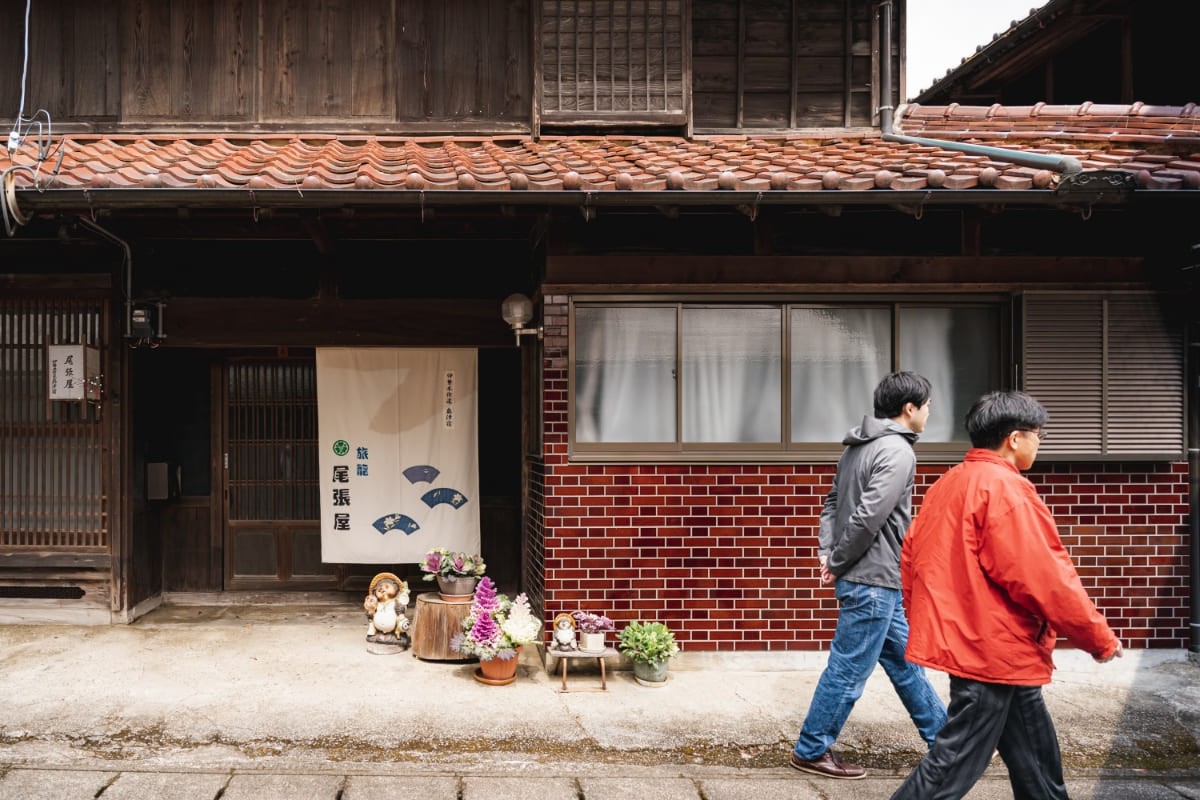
column 829, row 766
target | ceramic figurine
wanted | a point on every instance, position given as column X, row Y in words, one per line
column 387, row 625
column 564, row 633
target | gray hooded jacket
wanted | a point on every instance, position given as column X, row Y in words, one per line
column 869, row 507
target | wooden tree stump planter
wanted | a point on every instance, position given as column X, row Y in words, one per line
column 435, row 621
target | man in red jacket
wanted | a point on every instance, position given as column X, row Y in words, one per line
column 988, row 587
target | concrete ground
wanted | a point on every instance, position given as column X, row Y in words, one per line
column 259, row 701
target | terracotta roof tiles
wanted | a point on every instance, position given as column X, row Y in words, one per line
column 1160, row 145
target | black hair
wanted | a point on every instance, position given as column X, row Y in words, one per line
column 997, row 414
column 897, row 389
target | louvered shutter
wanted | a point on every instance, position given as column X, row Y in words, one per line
column 1145, row 378
column 1109, row 369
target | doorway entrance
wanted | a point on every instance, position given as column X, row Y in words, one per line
column 270, row 484
column 272, row 518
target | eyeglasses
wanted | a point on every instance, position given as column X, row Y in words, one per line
column 1041, row 435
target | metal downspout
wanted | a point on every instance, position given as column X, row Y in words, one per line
column 1193, row 393
column 126, row 266
column 1065, row 165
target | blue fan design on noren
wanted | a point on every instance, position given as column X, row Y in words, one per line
column 394, row 522
column 421, row 472
column 436, row 497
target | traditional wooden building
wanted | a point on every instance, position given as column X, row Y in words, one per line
column 1074, row 51
column 729, row 228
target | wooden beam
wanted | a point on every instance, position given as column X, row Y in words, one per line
column 409, row 322
column 839, row 271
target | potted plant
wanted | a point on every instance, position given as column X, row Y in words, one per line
column 649, row 645
column 456, row 573
column 494, row 632
column 591, row 629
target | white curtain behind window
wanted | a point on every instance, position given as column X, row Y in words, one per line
column 625, row 374
column 838, row 357
column 731, row 374
column 958, row 351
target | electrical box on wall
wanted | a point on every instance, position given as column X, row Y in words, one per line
column 146, row 321
column 73, row 372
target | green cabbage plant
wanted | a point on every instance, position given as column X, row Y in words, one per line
column 647, row 642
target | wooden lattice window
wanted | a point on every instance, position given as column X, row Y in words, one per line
column 617, row 59
column 272, row 409
column 52, row 486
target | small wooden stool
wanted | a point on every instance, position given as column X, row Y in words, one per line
column 435, row 621
column 566, row 656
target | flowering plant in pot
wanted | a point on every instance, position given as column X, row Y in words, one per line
column 591, row 629
column 495, row 630
column 649, row 645
column 456, row 573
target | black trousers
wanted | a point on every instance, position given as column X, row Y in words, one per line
column 984, row 717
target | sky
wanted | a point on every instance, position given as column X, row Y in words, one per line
column 941, row 33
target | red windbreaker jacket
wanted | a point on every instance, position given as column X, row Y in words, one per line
column 987, row 583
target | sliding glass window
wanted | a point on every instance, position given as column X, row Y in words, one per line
column 768, row 379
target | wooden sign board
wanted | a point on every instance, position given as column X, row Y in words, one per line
column 72, row 372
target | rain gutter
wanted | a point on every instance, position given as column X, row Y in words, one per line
column 1064, row 165
column 92, row 200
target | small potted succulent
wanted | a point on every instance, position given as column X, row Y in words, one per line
column 591, row 629
column 456, row 573
column 649, row 645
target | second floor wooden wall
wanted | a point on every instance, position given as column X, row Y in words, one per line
column 243, row 62
column 438, row 66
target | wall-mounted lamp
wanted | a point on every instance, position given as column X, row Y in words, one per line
column 517, row 309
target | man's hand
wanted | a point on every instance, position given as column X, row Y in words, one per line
column 1118, row 653
column 826, row 577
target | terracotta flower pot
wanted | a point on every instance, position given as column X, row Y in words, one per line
column 499, row 671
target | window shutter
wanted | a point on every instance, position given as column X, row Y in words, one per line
column 1145, row 378
column 1109, row 369
column 1064, row 367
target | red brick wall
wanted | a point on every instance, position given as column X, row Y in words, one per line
column 1126, row 527
column 726, row 554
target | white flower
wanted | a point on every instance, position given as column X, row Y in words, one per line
column 521, row 627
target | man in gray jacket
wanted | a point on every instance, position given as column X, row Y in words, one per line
column 866, row 514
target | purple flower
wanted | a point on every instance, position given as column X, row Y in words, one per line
column 588, row 622
column 485, row 630
column 496, row 627
column 485, row 601
column 433, row 562
column 440, row 562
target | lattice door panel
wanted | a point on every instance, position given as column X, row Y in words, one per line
column 52, row 486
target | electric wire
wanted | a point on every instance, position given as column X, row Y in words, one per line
column 16, row 131
column 44, row 148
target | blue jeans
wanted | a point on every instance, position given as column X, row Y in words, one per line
column 871, row 629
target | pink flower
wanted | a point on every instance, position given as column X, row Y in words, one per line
column 485, row 601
